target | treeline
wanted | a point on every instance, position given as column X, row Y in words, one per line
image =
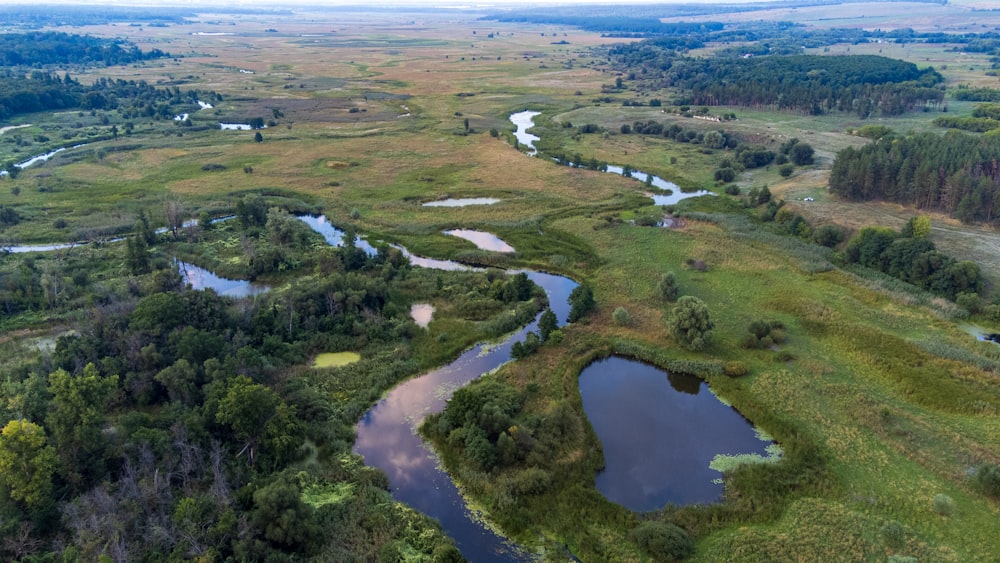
column 955, row 173
column 863, row 84
column 40, row 15
column 57, row 48
column 43, row 91
column 615, row 25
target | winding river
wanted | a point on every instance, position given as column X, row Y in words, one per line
column 388, row 439
column 524, row 120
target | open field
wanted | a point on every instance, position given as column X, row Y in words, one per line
column 881, row 397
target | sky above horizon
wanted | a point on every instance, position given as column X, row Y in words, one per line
column 374, row 3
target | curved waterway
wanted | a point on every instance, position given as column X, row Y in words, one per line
column 388, row 439
column 42, row 157
column 525, row 120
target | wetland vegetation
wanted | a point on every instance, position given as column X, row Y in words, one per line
column 240, row 344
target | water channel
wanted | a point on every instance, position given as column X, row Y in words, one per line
column 387, row 436
column 524, row 121
column 41, row 158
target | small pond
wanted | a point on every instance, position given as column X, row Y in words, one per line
column 462, row 202
column 660, row 432
column 422, row 314
column 335, row 359
column 981, row 333
column 200, row 278
column 237, row 126
column 482, row 240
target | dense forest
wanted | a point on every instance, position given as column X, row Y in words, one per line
column 36, row 16
column 41, row 91
column 173, row 423
column 955, row 173
column 56, row 48
column 866, row 85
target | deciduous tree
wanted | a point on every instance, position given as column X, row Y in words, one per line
column 690, row 323
column 27, row 462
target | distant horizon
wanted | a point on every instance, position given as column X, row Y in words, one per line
column 391, row 3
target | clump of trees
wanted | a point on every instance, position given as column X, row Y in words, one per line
column 763, row 334
column 914, row 259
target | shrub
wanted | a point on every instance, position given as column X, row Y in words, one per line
column 725, row 174
column 987, row 478
column 894, row 534
column 829, row 235
column 968, row 301
column 786, row 170
column 735, row 369
column 667, row 287
column 662, row 541
column 801, row 154
column 621, row 316
column 581, row 301
column 944, row 504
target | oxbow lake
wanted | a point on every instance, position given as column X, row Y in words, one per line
column 659, row 433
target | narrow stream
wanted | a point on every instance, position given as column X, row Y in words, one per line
column 525, row 120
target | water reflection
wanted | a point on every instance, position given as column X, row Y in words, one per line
column 659, row 434
column 201, row 279
column 387, row 439
column 482, row 240
column 422, row 314
column 462, row 202
column 333, row 235
column 524, row 121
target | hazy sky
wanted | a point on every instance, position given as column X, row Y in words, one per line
column 450, row 3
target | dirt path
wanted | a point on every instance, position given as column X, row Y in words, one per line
column 11, row 127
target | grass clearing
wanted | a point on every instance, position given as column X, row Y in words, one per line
column 335, row 359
